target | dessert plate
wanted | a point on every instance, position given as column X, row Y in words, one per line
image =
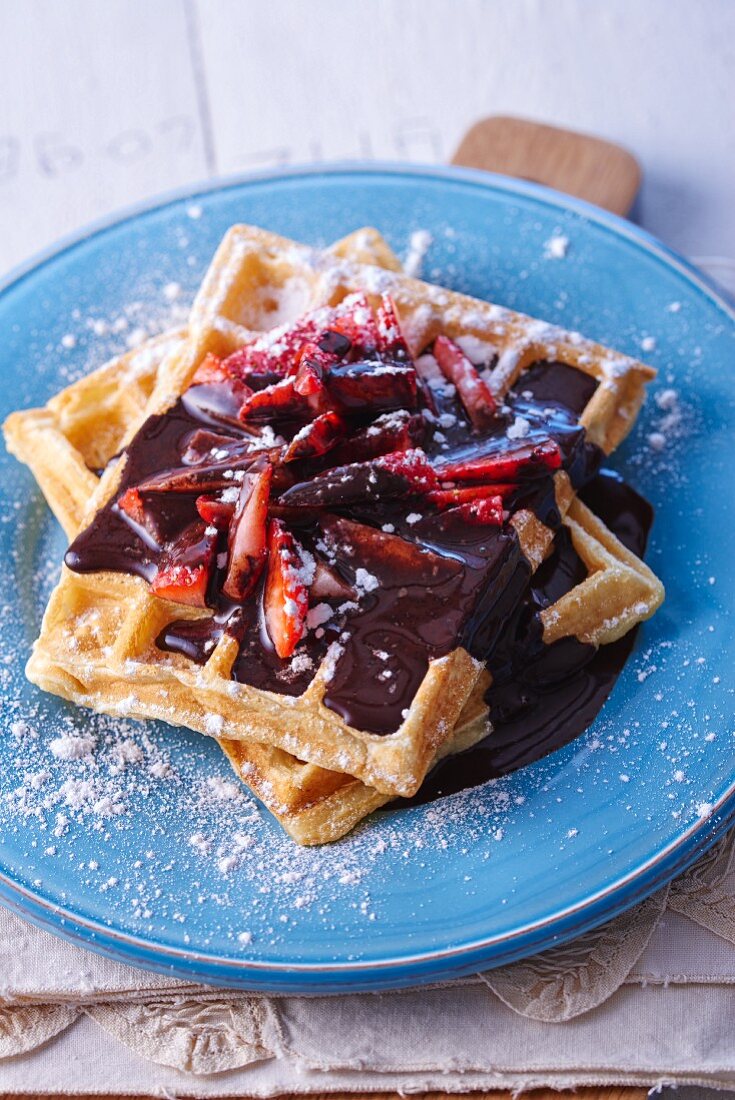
column 135, row 840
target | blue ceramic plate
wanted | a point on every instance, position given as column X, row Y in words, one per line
column 146, row 850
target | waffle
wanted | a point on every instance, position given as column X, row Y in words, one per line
column 314, row 805
column 96, row 646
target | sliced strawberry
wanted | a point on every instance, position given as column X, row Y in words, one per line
column 280, row 349
column 328, row 584
column 395, row 560
column 486, row 511
column 474, row 393
column 313, row 360
column 215, row 511
column 373, row 386
column 247, row 540
column 207, row 478
column 355, row 319
column 390, row 337
column 400, row 474
column 210, row 371
column 281, row 401
column 530, row 460
column 206, row 446
column 132, row 505
column 309, row 378
column 394, row 431
column 286, row 598
column 450, row 498
column 186, row 566
column 316, row 438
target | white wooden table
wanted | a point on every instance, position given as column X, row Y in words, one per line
column 105, row 102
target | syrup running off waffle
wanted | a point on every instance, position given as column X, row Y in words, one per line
column 370, row 563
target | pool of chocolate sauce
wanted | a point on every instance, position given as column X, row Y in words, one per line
column 464, row 584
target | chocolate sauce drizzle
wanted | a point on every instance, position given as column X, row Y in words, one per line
column 458, row 584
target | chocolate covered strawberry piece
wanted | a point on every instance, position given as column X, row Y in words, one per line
column 355, row 319
column 215, row 511
column 395, row 475
column 133, row 507
column 317, row 437
column 394, row 431
column 474, row 393
column 390, row 337
column 373, row 386
column 206, row 478
column 186, row 566
column 286, row 596
column 328, row 584
column 528, row 461
column 247, row 539
column 207, row 446
column 451, row 498
column 389, row 558
column 486, row 511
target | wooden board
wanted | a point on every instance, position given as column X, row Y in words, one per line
column 584, row 166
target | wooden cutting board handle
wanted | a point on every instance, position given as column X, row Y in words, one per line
column 584, row 166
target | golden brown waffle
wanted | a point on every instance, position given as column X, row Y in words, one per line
column 97, row 643
column 314, row 805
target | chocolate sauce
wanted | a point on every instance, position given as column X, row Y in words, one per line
column 542, row 697
column 402, row 616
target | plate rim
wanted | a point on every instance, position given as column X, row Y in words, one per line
column 406, row 969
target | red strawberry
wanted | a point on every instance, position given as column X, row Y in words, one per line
column 373, row 386
column 132, row 505
column 450, row 498
column 486, row 511
column 202, row 443
column 246, row 543
column 399, row 474
column 530, row 460
column 281, row 401
column 210, row 371
column 394, row 431
column 207, row 478
column 286, row 598
column 215, row 511
column 186, row 566
column 474, row 393
column 316, row 438
column 328, row 584
column 394, row 559
column 354, row 319
column 390, row 337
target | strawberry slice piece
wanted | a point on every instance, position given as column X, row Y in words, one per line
column 132, row 505
column 185, row 567
column 281, row 401
column 328, row 584
column 316, row 438
column 488, row 511
column 215, row 511
column 399, row 474
column 210, row 371
column 390, row 336
column 355, row 319
column 529, row 461
column 206, row 446
column 286, row 598
column 393, row 559
column 280, row 349
column 450, row 498
column 207, row 478
column 394, row 431
column 247, row 540
column 374, row 386
column 474, row 393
